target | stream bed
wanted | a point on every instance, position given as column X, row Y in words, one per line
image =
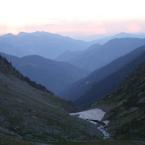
column 94, row 116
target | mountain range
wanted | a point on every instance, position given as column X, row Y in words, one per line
column 104, row 39
column 45, row 44
column 112, row 82
column 54, row 75
column 103, row 81
column 45, row 79
column 97, row 56
column 126, row 107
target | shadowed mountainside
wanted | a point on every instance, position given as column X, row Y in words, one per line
column 97, row 56
column 54, row 75
column 32, row 113
column 103, row 81
column 126, row 107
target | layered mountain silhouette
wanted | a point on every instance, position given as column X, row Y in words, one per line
column 103, row 81
column 39, row 43
column 109, row 75
column 54, row 75
column 104, row 39
column 126, row 107
column 110, row 83
column 98, row 56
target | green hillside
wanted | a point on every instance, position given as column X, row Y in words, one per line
column 126, row 108
column 29, row 112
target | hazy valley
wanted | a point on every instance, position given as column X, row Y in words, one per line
column 55, row 90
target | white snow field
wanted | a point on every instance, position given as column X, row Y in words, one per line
column 92, row 114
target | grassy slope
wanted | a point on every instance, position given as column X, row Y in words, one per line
column 29, row 113
column 103, row 142
column 126, row 108
column 13, row 141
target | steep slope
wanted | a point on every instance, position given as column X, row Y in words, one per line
column 39, row 43
column 55, row 75
column 126, row 107
column 98, row 56
column 32, row 113
column 104, row 80
column 111, row 82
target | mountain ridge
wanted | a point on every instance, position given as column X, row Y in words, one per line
column 91, row 58
column 52, row 74
column 46, row 44
column 104, row 78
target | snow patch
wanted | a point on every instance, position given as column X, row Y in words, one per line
column 92, row 114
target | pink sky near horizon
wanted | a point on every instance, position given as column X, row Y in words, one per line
column 75, row 18
column 80, row 29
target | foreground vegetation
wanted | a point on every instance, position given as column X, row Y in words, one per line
column 30, row 112
column 13, row 141
column 103, row 142
column 126, row 108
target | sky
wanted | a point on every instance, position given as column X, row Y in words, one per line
column 77, row 18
